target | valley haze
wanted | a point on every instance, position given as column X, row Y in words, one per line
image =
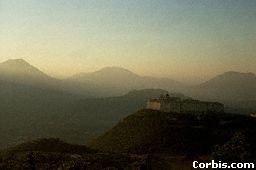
column 81, row 107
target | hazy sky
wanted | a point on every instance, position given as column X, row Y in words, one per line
column 180, row 39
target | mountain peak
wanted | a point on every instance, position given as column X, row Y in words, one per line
column 230, row 86
column 235, row 73
column 19, row 60
column 232, row 77
column 20, row 68
column 16, row 63
column 108, row 72
column 115, row 69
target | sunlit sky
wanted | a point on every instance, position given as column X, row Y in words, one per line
column 187, row 40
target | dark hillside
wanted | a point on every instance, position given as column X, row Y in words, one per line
column 114, row 108
column 48, row 145
column 150, row 131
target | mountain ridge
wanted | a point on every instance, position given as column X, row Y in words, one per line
column 116, row 81
column 119, row 80
column 20, row 66
column 21, row 72
column 237, row 90
column 236, row 76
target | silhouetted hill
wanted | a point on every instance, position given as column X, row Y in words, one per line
column 174, row 141
column 49, row 145
column 149, row 132
column 145, row 140
column 115, row 108
column 55, row 154
column 118, row 81
column 93, row 116
column 99, row 114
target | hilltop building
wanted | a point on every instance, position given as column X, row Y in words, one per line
column 253, row 115
column 177, row 105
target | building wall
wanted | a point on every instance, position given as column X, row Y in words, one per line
column 188, row 107
column 185, row 107
column 175, row 106
column 201, row 107
column 253, row 115
column 153, row 105
column 165, row 107
column 215, row 107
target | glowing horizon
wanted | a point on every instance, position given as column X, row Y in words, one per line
column 183, row 40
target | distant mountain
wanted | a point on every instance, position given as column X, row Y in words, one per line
column 233, row 80
column 230, row 88
column 20, row 71
column 19, row 67
column 29, row 100
column 117, row 81
column 109, row 81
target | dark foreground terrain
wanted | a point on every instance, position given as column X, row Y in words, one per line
column 146, row 140
column 54, row 154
